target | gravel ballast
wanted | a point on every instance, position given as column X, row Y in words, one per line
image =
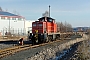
column 4, row 46
column 47, row 52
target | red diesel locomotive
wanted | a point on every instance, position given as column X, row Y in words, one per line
column 44, row 25
column 44, row 30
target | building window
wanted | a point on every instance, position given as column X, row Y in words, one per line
column 2, row 17
column 13, row 18
column 8, row 18
column 19, row 18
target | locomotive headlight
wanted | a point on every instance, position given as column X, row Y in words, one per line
column 41, row 34
column 19, row 42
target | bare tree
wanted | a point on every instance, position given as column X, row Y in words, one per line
column 64, row 27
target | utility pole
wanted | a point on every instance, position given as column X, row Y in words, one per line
column 9, row 25
column 49, row 10
column 24, row 27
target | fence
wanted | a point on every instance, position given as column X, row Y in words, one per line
column 20, row 32
column 13, row 34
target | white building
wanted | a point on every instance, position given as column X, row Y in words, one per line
column 28, row 25
column 13, row 23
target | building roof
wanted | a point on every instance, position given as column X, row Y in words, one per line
column 7, row 13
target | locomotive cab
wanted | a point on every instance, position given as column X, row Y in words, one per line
column 47, row 19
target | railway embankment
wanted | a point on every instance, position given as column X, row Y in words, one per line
column 59, row 52
column 82, row 51
column 56, row 51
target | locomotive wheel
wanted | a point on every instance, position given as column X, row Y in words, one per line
column 58, row 37
column 50, row 38
column 47, row 40
column 34, row 41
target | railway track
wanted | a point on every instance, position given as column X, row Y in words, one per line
column 15, row 49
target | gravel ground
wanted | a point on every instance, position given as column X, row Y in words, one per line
column 82, row 52
column 10, row 43
column 59, row 52
column 24, row 55
column 7, row 44
column 3, row 46
column 51, row 51
column 68, row 53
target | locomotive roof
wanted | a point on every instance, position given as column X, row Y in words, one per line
column 46, row 17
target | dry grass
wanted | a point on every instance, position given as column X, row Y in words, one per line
column 12, row 37
column 84, row 50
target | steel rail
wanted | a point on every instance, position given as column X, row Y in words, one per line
column 13, row 50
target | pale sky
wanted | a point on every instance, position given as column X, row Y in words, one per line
column 75, row 12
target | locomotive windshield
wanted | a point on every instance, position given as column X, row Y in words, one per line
column 48, row 19
column 34, row 24
column 42, row 20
